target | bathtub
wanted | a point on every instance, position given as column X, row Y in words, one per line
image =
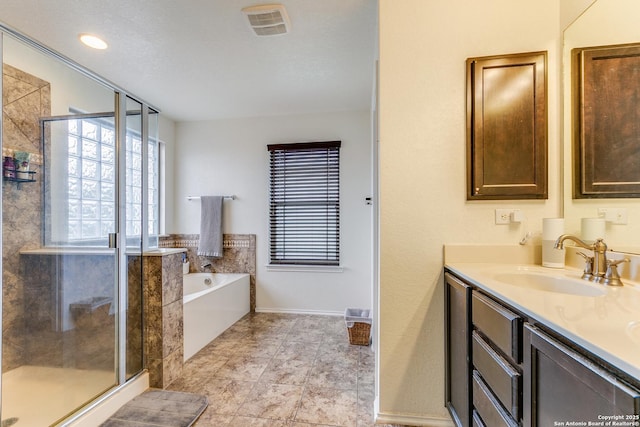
column 212, row 302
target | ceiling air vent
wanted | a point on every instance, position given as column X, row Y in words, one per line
column 268, row 19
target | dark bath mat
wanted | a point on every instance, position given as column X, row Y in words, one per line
column 159, row 408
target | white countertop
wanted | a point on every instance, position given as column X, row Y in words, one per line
column 607, row 325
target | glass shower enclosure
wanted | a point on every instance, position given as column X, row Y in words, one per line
column 75, row 219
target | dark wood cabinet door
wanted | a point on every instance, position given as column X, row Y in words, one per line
column 458, row 350
column 606, row 131
column 562, row 385
column 507, row 127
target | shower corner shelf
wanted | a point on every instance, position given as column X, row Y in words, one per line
column 31, row 178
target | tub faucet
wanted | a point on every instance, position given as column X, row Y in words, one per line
column 599, row 248
column 205, row 265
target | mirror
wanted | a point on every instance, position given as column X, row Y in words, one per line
column 604, row 22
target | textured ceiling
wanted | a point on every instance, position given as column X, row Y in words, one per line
column 199, row 60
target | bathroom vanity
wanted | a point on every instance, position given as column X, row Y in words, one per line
column 531, row 346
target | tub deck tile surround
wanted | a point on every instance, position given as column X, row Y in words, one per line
column 239, row 256
column 163, row 312
column 265, row 371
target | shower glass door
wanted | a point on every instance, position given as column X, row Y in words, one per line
column 62, row 290
column 132, row 155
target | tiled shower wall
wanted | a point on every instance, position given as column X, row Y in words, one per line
column 25, row 99
column 239, row 256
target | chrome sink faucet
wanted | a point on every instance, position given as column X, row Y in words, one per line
column 599, row 248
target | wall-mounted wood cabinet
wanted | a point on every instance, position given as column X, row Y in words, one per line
column 507, row 127
column 606, row 122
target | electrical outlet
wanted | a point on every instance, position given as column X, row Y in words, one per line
column 613, row 215
column 507, row 216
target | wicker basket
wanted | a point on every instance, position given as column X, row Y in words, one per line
column 359, row 333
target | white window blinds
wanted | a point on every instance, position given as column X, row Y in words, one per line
column 304, row 203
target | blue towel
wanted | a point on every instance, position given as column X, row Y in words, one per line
column 210, row 243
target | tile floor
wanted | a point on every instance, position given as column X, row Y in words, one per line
column 283, row 370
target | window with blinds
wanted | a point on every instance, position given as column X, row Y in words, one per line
column 304, row 203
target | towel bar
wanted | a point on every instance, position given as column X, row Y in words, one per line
column 232, row 197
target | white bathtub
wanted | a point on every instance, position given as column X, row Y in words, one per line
column 212, row 303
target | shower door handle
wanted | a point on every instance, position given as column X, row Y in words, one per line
column 113, row 240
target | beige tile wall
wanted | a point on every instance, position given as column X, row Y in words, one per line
column 25, row 99
column 239, row 256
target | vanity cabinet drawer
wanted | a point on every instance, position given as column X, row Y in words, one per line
column 502, row 378
column 488, row 407
column 499, row 324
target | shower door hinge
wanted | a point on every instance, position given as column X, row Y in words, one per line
column 113, row 240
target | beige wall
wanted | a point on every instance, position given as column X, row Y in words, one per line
column 571, row 9
column 423, row 47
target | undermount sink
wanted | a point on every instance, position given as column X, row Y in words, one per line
column 550, row 283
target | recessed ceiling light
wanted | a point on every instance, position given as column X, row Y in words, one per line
column 93, row 41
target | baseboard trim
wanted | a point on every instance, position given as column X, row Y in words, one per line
column 295, row 311
column 412, row 420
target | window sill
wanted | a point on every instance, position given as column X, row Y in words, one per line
column 306, row 268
